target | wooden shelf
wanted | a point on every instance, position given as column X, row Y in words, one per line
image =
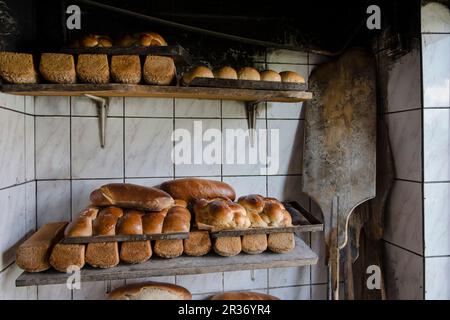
column 302, row 255
column 128, row 90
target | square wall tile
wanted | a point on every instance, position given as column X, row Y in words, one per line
column 54, row 292
column 247, row 185
column 287, row 188
column 437, row 286
column 319, row 292
column 288, row 150
column 81, row 190
column 29, row 148
column 403, row 274
column 286, row 56
column 437, row 219
column 404, row 83
column 12, row 146
column 12, row 223
column 166, row 279
column 436, row 140
column 197, row 108
column 406, row 144
column 52, row 105
column 237, row 109
column 148, row 147
column 53, row 201
column 148, row 107
column 91, row 291
column 190, row 149
column 13, row 102
column 84, row 106
column 29, row 105
column 403, row 219
column 435, row 18
column 30, row 207
column 292, row 293
column 52, row 148
column 239, row 157
column 436, row 70
column 9, row 291
column 286, row 277
column 149, row 182
column 285, row 110
column 89, row 160
column 201, row 283
column 245, row 280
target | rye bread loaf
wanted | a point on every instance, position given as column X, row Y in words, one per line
column 126, row 69
column 227, row 246
column 17, row 68
column 198, row 244
column 65, row 257
column 254, row 243
column 159, row 70
column 93, row 68
column 58, row 68
column 281, row 242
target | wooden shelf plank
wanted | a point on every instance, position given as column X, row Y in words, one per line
column 302, row 255
column 129, row 90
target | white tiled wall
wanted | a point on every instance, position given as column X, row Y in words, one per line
column 68, row 164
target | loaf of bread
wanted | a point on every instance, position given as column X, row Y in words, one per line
column 197, row 72
column 159, row 70
column 291, row 76
column 147, row 39
column 105, row 224
column 81, row 226
column 178, row 219
column 150, row 291
column 58, row 68
column 227, row 246
column 93, row 68
column 152, row 222
column 131, row 196
column 225, row 73
column 193, row 188
column 281, row 242
column 198, row 243
column 126, row 69
column 33, row 255
column 249, row 73
column 64, row 257
column 126, row 40
column 220, row 214
column 265, row 212
column 270, row 75
column 92, row 41
column 243, row 296
column 254, row 243
column 133, row 251
column 17, row 68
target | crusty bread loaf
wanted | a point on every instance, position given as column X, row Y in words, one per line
column 243, row 296
column 180, row 203
column 33, row 255
column 152, row 222
column 58, row 68
column 105, row 224
column 133, row 251
column 93, row 68
column 254, row 243
column 17, row 68
column 91, row 41
column 193, row 188
column 220, row 214
column 102, row 254
column 126, row 69
column 81, row 226
column 177, row 220
column 249, row 73
column 265, row 212
column 126, row 40
column 159, row 70
column 225, row 73
column 291, row 76
column 131, row 196
column 147, row 39
column 150, row 291
column 254, row 205
column 197, row 72
column 270, row 75
column 198, row 243
column 227, row 246
column 67, row 256
column 281, row 242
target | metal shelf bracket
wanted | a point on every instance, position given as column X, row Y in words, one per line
column 252, row 108
column 102, row 113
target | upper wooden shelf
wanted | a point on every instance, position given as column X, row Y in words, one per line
column 302, row 255
column 130, row 90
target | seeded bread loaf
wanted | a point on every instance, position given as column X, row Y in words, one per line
column 93, row 68
column 17, row 68
column 58, row 68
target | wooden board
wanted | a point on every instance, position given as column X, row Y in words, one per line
column 247, row 84
column 302, row 255
column 302, row 221
column 130, row 90
column 130, row 237
column 177, row 52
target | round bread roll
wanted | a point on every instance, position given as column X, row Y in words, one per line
column 147, row 39
column 126, row 41
column 249, row 73
column 270, row 75
column 197, row 72
column 91, row 41
column 243, row 296
column 150, row 291
column 225, row 73
column 291, row 76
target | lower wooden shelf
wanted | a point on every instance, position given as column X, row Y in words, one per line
column 302, row 255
